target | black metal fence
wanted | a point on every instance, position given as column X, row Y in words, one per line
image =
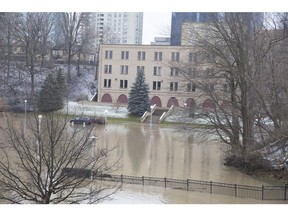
column 244, row 191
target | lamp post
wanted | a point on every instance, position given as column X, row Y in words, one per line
column 92, row 154
column 151, row 108
column 39, row 124
column 106, row 112
column 25, row 110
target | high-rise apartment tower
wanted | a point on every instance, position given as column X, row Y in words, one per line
column 118, row 27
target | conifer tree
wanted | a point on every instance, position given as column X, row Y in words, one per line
column 139, row 101
column 52, row 94
column 61, row 87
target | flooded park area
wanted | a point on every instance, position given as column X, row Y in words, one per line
column 168, row 152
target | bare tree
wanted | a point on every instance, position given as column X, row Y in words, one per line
column 5, row 40
column 86, row 41
column 232, row 50
column 49, row 161
column 272, row 92
column 28, row 31
column 6, row 45
column 71, row 24
column 45, row 41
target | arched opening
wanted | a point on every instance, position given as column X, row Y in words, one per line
column 156, row 100
column 190, row 103
column 172, row 101
column 106, row 98
column 122, row 99
column 225, row 105
column 208, row 104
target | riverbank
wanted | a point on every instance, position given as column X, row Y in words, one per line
column 120, row 114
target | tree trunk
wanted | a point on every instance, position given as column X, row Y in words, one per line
column 32, row 77
column 78, row 64
column 69, row 68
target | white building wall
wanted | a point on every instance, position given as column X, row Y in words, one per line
column 165, row 94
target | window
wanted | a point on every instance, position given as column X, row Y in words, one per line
column 108, row 69
column 108, row 54
column 141, row 56
column 157, row 71
column 157, row 56
column 210, row 57
column 191, row 87
column 125, row 55
column 173, row 86
column 107, row 83
column 124, row 69
column 156, row 85
column 209, row 87
column 225, row 87
column 208, row 73
column 174, row 72
column 192, row 72
column 193, row 57
column 140, row 68
column 123, row 83
column 175, row 56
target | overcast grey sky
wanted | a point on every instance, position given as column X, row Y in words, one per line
column 157, row 13
column 155, row 24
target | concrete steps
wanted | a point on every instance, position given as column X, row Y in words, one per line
column 157, row 113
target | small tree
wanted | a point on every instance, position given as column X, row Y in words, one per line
column 53, row 93
column 52, row 162
column 138, row 101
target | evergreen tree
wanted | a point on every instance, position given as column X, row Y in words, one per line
column 139, row 101
column 61, row 88
column 52, row 94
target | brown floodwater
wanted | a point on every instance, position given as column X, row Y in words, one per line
column 158, row 151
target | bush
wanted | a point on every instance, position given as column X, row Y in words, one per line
column 252, row 162
column 98, row 120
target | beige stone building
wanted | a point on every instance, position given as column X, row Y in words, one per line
column 118, row 66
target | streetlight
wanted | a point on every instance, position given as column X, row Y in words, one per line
column 25, row 108
column 151, row 108
column 106, row 112
column 39, row 125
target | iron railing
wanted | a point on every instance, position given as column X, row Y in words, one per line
column 263, row 192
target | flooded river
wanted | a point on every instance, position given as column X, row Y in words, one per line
column 158, row 151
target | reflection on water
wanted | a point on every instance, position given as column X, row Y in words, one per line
column 136, row 148
column 168, row 152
